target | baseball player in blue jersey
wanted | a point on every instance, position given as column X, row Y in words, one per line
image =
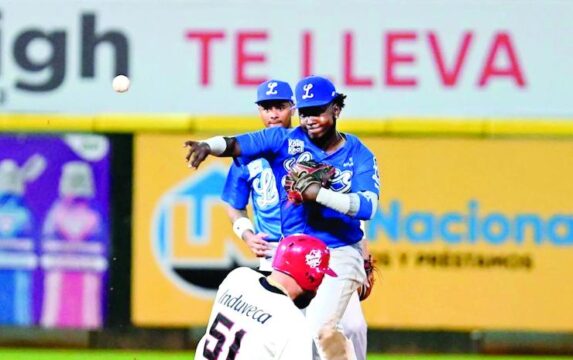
column 256, row 180
column 331, row 213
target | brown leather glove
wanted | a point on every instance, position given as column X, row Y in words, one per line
column 302, row 175
column 365, row 289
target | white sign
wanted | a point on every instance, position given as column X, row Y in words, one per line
column 499, row 58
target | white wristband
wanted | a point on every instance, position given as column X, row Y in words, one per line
column 241, row 225
column 332, row 199
column 217, row 144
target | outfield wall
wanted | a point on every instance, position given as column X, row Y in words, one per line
column 470, row 234
column 457, row 211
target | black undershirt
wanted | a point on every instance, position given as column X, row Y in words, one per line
column 265, row 283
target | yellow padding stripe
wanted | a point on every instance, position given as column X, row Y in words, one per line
column 226, row 125
column 528, row 127
column 142, row 123
column 231, row 125
column 364, row 126
column 44, row 123
column 414, row 126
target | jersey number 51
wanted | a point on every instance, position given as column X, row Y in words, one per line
column 221, row 339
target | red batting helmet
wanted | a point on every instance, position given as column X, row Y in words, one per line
column 305, row 259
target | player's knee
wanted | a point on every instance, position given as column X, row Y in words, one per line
column 328, row 327
column 354, row 327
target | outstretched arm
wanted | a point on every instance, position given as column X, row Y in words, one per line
column 197, row 151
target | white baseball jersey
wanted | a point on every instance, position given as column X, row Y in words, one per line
column 253, row 320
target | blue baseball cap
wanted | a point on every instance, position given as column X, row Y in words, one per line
column 274, row 90
column 314, row 91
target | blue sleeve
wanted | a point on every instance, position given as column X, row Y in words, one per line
column 366, row 175
column 260, row 143
column 366, row 179
column 237, row 190
column 368, row 207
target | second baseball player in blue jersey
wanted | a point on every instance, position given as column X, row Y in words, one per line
column 356, row 172
column 256, row 180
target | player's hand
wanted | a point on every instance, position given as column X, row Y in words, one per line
column 256, row 243
column 311, row 192
column 197, row 152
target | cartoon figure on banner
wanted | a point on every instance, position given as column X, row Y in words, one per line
column 18, row 259
column 73, row 255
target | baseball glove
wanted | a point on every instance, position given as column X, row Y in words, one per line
column 365, row 289
column 303, row 174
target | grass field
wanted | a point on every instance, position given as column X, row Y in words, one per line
column 34, row 354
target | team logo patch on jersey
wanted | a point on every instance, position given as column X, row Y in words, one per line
column 295, row 146
column 313, row 258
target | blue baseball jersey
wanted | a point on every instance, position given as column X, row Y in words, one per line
column 356, row 171
column 257, row 180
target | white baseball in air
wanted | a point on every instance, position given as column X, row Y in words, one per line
column 120, row 83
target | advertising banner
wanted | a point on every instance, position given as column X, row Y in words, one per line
column 183, row 242
column 473, row 234
column 469, row 234
column 416, row 58
column 54, row 230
